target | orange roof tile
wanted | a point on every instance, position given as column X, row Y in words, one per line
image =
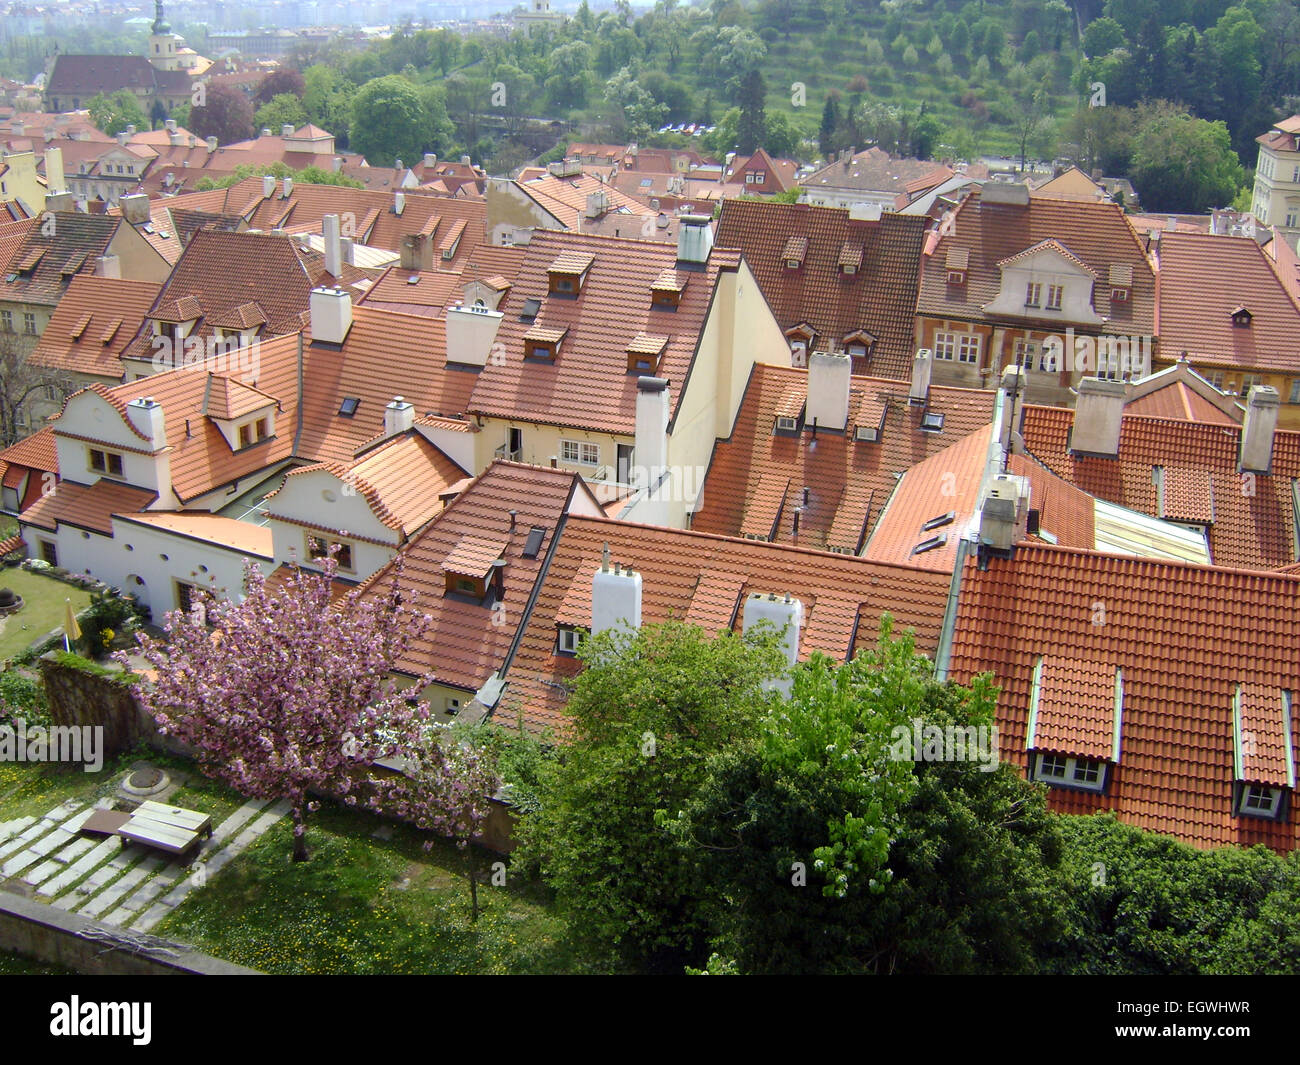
column 1180, row 402
column 36, row 452
column 1176, row 633
column 848, row 480
column 588, row 385
column 1073, row 709
column 702, row 578
column 1202, row 280
column 87, row 506
column 1265, row 726
column 1254, row 521
column 880, row 296
column 78, row 338
column 565, row 199
column 241, row 536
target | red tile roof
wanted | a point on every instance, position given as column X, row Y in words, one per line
column 411, row 349
column 1096, row 234
column 1202, row 280
column 588, row 385
column 465, row 645
column 87, row 506
column 1180, row 403
column 704, row 579
column 1254, row 520
column 36, row 452
column 565, row 199
column 1176, row 632
column 1074, row 709
column 51, row 255
column 879, row 298
column 93, row 324
column 849, row 481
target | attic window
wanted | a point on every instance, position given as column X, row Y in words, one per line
column 933, row 543
column 1258, row 800
column 666, row 291
column 568, row 273
column 867, row 434
column 349, row 406
column 542, row 343
column 567, row 638
column 794, row 251
column 1120, row 277
column 956, row 263
column 644, row 353
column 932, row 422
column 850, row 259
column 530, row 309
column 787, row 425
column 941, row 520
column 1060, row 770
column 1241, row 317
column 534, row 542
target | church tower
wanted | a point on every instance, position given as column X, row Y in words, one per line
column 163, row 44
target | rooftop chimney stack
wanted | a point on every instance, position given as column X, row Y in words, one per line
column 108, row 266
column 59, row 201
column 211, row 143
column 268, row 186
column 615, row 597
column 922, row 366
column 785, row 614
column 333, row 253
column 286, row 130
column 829, row 376
column 651, row 448
column 170, row 125
column 694, row 238
column 399, row 417
column 1262, row 407
column 416, row 251
column 287, row 187
column 399, row 202
column 1004, row 515
column 135, row 209
column 430, row 160
column 147, row 415
column 331, row 315
column 54, row 179
column 1098, row 416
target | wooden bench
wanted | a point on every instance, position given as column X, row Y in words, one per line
column 156, row 834
column 191, row 820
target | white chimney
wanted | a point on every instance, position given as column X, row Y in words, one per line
column 59, row 201
column 347, row 254
column 597, row 204
column 652, row 410
column 1098, row 415
column 211, row 143
column 399, row 416
column 54, row 169
column 785, row 614
column 399, row 202
column 48, row 134
column 694, row 238
column 286, row 130
column 471, row 332
column 331, row 315
column 430, row 159
column 338, row 163
column 922, row 366
column 147, row 415
column 174, row 138
column 1005, row 513
column 464, row 160
column 1262, row 407
column 135, row 209
column 268, row 186
column 287, row 186
column 266, row 131
column 615, row 597
column 333, row 253
column 169, row 179
column 169, row 125
column 829, row 375
column 108, row 266
column 122, row 138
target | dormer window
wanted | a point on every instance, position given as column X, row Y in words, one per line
column 470, row 566
column 850, row 260
column 106, row 463
column 1241, row 317
column 1063, row 771
column 543, row 344
column 1074, row 714
column 1259, row 800
column 254, row 432
column 859, row 343
column 786, row 424
column 319, row 548
column 956, row 262
column 666, row 291
column 1263, row 757
column 645, row 352
column 567, row 273
column 1120, row 276
column 1033, row 294
column 794, row 251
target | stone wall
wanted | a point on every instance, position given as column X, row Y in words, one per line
column 54, row 936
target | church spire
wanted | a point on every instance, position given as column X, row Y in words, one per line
column 160, row 25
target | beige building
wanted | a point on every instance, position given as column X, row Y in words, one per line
column 1277, row 179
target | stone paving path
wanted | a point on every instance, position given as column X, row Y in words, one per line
column 132, row 886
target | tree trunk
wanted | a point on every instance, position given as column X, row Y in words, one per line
column 299, row 835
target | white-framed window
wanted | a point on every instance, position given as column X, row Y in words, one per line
column 29, row 323
column 1033, row 294
column 1260, row 801
column 1026, row 353
column 7, row 321
column 319, row 548
column 1295, row 175
column 945, row 345
column 581, row 452
column 1054, row 295
column 787, row 425
column 1070, row 772
column 1248, row 381
column 968, row 347
column 1292, row 218
column 566, row 642
column 1294, row 397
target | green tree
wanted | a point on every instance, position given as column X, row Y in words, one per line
column 1103, row 36
column 226, row 114
column 284, row 109
column 112, row 114
column 826, row 143
column 751, row 132
column 648, row 710
column 391, row 121
column 1181, row 163
column 639, row 114
column 782, row 137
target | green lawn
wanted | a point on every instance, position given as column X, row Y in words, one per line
column 13, row 965
column 42, row 611
column 368, row 905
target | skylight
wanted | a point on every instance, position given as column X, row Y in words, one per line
column 349, row 406
column 531, row 307
column 534, row 542
column 941, row 520
column 930, row 544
